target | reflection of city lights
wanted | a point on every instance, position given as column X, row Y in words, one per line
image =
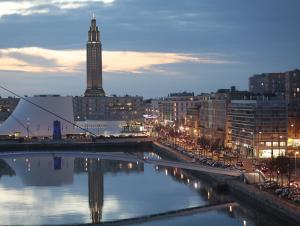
column 230, row 208
column 208, row 195
column 188, row 180
column 26, row 160
column 85, row 159
column 28, row 165
column 174, row 172
column 14, row 160
column 85, row 169
column 181, row 176
column 137, row 162
column 245, row 223
column 130, row 165
column 120, row 165
column 28, row 169
column 156, row 167
column 98, row 159
column 195, row 185
column 166, row 171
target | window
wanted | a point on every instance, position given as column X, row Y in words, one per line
column 268, row 144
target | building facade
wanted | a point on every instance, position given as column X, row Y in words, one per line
column 213, row 118
column 192, row 121
column 174, row 107
column 7, row 106
column 95, row 105
column 94, row 62
column 287, row 85
column 258, row 126
column 214, row 114
column 108, row 108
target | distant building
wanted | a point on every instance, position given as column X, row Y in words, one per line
column 94, row 105
column 267, row 84
column 94, row 62
column 151, row 108
column 287, row 85
column 213, row 114
column 174, row 107
column 192, row 121
column 7, row 105
column 108, row 108
column 258, row 126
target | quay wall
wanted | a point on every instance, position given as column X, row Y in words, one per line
column 133, row 145
column 260, row 200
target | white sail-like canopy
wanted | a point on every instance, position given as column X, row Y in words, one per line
column 30, row 120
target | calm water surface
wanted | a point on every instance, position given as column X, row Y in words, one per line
column 67, row 189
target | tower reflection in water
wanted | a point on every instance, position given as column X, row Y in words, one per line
column 49, row 170
column 95, row 181
column 96, row 168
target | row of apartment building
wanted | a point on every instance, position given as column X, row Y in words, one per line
column 262, row 122
column 108, row 108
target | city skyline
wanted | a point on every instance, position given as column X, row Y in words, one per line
column 197, row 46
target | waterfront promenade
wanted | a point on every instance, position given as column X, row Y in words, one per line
column 251, row 194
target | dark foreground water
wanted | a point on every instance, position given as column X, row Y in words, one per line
column 70, row 189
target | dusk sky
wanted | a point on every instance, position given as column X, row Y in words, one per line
column 150, row 47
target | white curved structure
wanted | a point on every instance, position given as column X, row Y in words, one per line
column 29, row 120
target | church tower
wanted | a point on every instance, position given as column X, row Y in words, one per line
column 94, row 62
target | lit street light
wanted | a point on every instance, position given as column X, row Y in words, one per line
column 296, row 153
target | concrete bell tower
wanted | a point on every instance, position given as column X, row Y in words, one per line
column 94, row 62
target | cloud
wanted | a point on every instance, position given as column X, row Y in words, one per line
column 33, row 201
column 36, row 59
column 29, row 7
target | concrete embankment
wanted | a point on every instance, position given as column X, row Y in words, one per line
column 269, row 203
column 213, row 179
column 133, row 144
column 260, row 200
column 166, row 215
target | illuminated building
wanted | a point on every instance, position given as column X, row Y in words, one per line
column 258, row 126
column 287, row 85
column 94, row 62
column 174, row 107
column 213, row 114
column 95, row 105
column 108, row 108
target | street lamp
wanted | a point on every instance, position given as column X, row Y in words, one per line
column 292, row 125
column 252, row 145
column 296, row 153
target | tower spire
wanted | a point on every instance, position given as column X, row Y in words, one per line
column 94, row 61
